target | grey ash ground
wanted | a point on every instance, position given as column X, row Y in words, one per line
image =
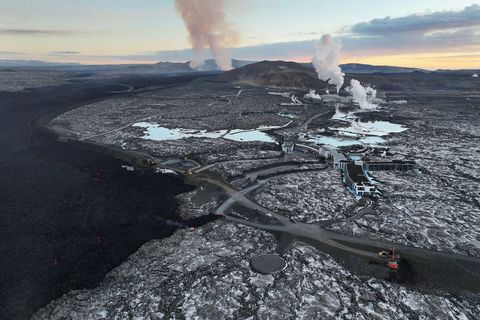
column 205, row 273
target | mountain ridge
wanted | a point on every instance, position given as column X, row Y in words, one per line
column 208, row 65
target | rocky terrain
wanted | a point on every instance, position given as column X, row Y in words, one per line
column 308, row 197
column 69, row 212
column 439, row 206
column 205, row 273
column 17, row 79
column 419, row 208
column 201, row 106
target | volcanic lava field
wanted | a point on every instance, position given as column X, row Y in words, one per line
column 69, row 213
column 139, row 168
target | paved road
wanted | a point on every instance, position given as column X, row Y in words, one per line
column 310, row 231
column 237, row 196
column 352, row 243
column 316, row 232
column 305, row 124
column 128, row 87
column 204, row 168
column 240, row 197
column 432, row 266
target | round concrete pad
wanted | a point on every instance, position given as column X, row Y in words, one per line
column 268, row 263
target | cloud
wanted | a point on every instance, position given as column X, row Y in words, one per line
column 436, row 31
column 440, row 20
column 11, row 53
column 62, row 53
column 37, row 32
column 272, row 51
column 458, row 40
column 463, row 40
column 443, row 31
column 474, row 56
column 300, row 34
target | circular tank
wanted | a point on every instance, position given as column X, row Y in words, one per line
column 268, row 263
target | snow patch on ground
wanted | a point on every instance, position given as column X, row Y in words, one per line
column 165, row 171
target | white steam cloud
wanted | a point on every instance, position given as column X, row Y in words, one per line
column 312, row 95
column 207, row 26
column 326, row 62
column 327, row 59
column 364, row 96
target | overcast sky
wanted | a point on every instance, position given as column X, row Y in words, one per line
column 426, row 33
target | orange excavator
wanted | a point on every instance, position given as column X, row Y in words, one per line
column 392, row 257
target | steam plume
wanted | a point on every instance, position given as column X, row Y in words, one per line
column 364, row 96
column 312, row 95
column 327, row 59
column 207, row 27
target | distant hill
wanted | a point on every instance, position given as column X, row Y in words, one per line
column 367, row 68
column 160, row 67
column 302, row 75
column 469, row 72
column 211, row 65
column 241, row 63
column 33, row 63
column 275, row 73
column 157, row 68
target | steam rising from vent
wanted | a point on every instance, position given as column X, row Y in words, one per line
column 326, row 62
column 364, row 96
column 327, row 59
column 207, row 27
column 312, row 95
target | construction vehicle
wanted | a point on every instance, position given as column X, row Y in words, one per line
column 392, row 258
column 149, row 162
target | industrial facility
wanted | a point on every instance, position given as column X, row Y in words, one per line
column 326, row 98
column 357, row 180
column 355, row 173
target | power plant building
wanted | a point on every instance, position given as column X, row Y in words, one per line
column 355, row 173
column 395, row 165
column 357, row 181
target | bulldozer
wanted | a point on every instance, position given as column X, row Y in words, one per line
column 392, row 258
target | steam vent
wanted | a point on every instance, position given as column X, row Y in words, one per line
column 268, row 263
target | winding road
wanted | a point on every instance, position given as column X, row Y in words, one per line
column 430, row 265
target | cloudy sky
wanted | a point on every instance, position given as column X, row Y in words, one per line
column 428, row 33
